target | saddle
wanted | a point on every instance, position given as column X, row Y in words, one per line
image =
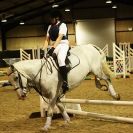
column 67, row 61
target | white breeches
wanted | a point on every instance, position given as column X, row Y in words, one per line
column 61, row 52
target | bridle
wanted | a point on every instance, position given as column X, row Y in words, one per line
column 13, row 70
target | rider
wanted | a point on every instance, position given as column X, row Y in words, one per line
column 57, row 34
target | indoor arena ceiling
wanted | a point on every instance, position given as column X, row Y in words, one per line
column 27, row 10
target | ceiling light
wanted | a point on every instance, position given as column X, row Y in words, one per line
column 108, row 1
column 55, row 5
column 114, row 6
column 130, row 28
column 4, row 20
column 21, row 23
column 67, row 10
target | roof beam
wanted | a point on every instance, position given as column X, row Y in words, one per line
column 34, row 10
column 16, row 6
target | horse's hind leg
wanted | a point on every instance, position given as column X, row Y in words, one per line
column 111, row 89
column 99, row 85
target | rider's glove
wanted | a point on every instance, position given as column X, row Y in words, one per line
column 50, row 52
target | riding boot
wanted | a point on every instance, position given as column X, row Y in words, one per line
column 63, row 72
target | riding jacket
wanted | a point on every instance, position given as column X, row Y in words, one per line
column 55, row 30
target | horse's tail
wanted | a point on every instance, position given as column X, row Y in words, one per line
column 103, row 56
column 105, row 66
column 107, row 70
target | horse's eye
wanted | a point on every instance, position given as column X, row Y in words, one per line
column 16, row 78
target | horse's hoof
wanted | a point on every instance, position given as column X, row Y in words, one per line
column 45, row 128
column 117, row 97
column 67, row 122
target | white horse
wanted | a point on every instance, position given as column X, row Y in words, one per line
column 46, row 79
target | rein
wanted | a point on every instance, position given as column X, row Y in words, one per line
column 10, row 73
column 48, row 65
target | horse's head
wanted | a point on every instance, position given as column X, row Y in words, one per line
column 16, row 81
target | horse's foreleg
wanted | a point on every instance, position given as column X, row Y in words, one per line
column 63, row 112
column 111, row 89
column 49, row 115
column 48, row 120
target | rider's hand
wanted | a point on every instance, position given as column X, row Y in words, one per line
column 50, row 52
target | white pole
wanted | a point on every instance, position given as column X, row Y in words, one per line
column 38, row 52
column 103, row 102
column 102, row 116
column 21, row 54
